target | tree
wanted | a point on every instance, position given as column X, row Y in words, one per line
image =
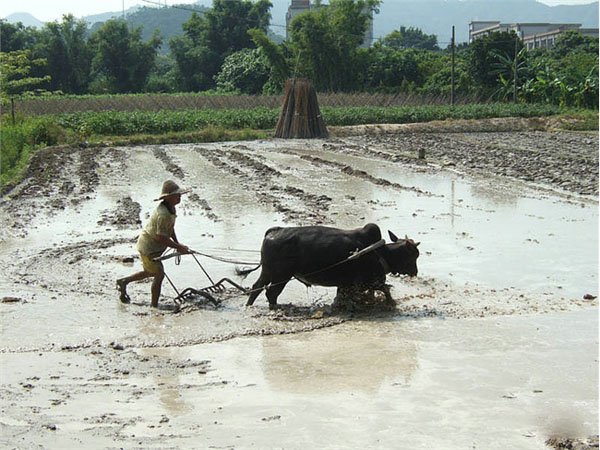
column 441, row 82
column 573, row 41
column 325, row 43
column 410, row 38
column 276, row 60
column 209, row 39
column 484, row 56
column 391, row 69
column 162, row 77
column 196, row 64
column 15, row 73
column 563, row 78
column 228, row 22
column 15, row 37
column 69, row 58
column 246, row 71
column 121, row 57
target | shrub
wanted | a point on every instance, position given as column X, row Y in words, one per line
column 20, row 139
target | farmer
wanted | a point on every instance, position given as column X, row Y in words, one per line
column 157, row 235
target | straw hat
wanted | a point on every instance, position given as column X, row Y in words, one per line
column 169, row 188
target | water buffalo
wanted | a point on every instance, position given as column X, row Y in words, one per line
column 318, row 255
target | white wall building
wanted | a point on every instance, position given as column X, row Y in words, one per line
column 533, row 35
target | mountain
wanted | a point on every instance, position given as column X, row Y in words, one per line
column 432, row 16
column 103, row 17
column 438, row 16
column 25, row 18
column 168, row 21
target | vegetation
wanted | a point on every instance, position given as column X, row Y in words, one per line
column 210, row 38
column 122, row 62
column 15, row 74
column 21, row 139
column 216, row 49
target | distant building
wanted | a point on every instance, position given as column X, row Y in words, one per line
column 533, row 35
column 300, row 6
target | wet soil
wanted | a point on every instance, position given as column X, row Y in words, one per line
column 68, row 230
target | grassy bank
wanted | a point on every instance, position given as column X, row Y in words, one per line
column 202, row 125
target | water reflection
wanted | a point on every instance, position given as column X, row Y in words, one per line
column 168, row 383
column 495, row 194
column 359, row 357
column 170, row 395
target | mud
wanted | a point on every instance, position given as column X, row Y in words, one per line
column 508, row 223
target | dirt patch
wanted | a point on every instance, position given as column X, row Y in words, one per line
column 362, row 174
column 563, row 160
column 126, row 214
column 161, row 154
column 573, row 444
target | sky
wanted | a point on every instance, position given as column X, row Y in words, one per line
column 50, row 10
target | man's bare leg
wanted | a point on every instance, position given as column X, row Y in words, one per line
column 123, row 282
column 156, row 286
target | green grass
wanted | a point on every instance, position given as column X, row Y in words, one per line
column 207, row 134
column 18, row 141
column 126, row 123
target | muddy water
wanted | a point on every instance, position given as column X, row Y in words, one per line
column 482, row 231
column 494, row 383
column 488, row 245
column 510, row 259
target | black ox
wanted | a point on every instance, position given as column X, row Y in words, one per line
column 317, row 255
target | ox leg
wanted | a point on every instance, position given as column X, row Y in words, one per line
column 256, row 290
column 340, row 301
column 388, row 296
column 273, row 292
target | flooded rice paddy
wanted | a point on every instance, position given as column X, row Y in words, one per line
column 493, row 345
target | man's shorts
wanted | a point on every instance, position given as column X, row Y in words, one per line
column 151, row 266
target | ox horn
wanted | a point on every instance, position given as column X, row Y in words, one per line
column 407, row 239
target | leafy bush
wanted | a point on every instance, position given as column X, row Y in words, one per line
column 123, row 123
column 20, row 139
column 411, row 114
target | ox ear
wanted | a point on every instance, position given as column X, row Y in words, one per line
column 393, row 237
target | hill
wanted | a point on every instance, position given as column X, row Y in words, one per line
column 168, row 21
column 431, row 16
column 438, row 16
column 25, row 18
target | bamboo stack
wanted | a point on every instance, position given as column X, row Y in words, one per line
column 300, row 116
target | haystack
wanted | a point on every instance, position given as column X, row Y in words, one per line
column 300, row 116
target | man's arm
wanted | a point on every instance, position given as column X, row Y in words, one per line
column 173, row 243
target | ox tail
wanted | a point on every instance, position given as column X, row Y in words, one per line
column 244, row 272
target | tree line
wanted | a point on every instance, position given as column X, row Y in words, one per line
column 227, row 49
